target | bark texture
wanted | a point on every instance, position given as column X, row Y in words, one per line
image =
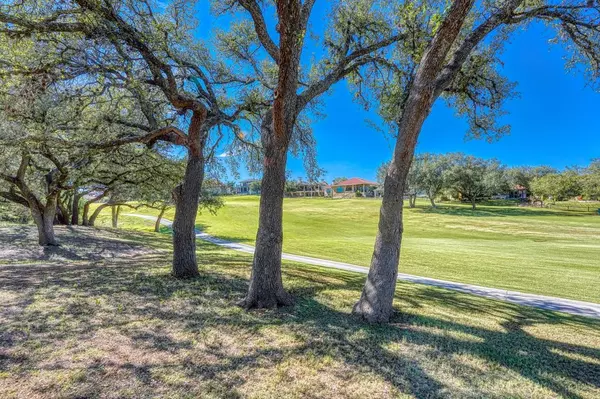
column 92, row 219
column 266, row 285
column 115, row 210
column 186, row 197
column 375, row 304
column 75, row 207
column 43, row 217
column 432, row 200
column 159, row 218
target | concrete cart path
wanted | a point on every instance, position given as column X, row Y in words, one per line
column 578, row 308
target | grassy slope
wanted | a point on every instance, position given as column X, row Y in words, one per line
column 119, row 326
column 532, row 250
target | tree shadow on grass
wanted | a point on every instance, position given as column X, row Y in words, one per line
column 156, row 323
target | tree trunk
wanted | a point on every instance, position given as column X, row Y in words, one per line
column 62, row 215
column 186, row 196
column 86, row 212
column 75, row 208
column 412, row 200
column 473, row 203
column 43, row 216
column 92, row 219
column 375, row 304
column 266, row 285
column 159, row 218
column 86, row 207
column 115, row 210
column 432, row 200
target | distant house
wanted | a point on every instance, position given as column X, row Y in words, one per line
column 245, row 187
column 353, row 185
column 518, row 192
column 309, row 189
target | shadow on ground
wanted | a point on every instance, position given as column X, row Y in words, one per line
column 116, row 326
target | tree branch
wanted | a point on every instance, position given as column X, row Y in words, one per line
column 261, row 28
column 342, row 69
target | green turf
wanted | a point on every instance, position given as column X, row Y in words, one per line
column 525, row 249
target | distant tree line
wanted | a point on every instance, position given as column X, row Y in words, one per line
column 473, row 179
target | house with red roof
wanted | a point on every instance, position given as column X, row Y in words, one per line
column 351, row 186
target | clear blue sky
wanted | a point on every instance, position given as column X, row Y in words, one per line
column 554, row 121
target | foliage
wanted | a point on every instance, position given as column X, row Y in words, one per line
column 590, row 181
column 475, row 178
column 524, row 175
column 558, row 186
column 13, row 213
column 255, row 186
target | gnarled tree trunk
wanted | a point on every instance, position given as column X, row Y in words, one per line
column 75, row 207
column 86, row 208
column 115, row 211
column 43, row 217
column 92, row 219
column 432, row 200
column 375, row 304
column 266, row 285
column 186, row 197
column 159, row 218
column 62, row 215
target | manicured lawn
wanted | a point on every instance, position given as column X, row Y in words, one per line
column 533, row 250
column 101, row 317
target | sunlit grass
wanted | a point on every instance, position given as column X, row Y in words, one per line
column 524, row 249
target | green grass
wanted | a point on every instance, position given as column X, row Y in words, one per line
column 574, row 206
column 101, row 317
column 540, row 251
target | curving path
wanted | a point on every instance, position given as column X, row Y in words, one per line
column 578, row 308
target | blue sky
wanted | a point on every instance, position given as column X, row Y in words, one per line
column 554, row 120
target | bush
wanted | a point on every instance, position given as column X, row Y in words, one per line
column 358, row 193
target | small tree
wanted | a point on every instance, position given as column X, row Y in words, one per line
column 433, row 177
column 475, row 178
column 255, row 187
